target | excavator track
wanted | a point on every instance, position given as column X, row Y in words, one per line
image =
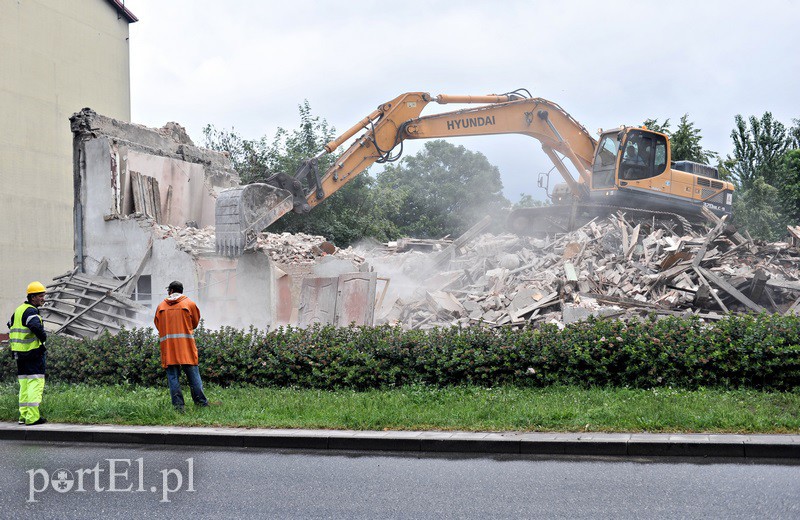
column 565, row 218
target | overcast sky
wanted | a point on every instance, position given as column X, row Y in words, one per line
column 247, row 65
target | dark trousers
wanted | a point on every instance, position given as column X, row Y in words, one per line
column 195, row 385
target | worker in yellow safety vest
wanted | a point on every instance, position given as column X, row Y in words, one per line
column 27, row 339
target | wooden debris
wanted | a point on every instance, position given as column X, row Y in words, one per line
column 85, row 306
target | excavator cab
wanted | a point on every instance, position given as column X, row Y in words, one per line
column 645, row 155
column 628, row 154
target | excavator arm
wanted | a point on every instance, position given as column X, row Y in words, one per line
column 398, row 120
column 384, row 130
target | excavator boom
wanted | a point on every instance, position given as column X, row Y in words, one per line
column 240, row 213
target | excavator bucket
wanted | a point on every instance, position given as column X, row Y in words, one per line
column 242, row 212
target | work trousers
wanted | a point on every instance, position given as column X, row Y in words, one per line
column 195, row 385
column 30, row 374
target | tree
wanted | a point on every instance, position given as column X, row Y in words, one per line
column 795, row 133
column 346, row 216
column 256, row 160
column 758, row 149
column 789, row 189
column 724, row 168
column 756, row 211
column 527, row 201
column 685, row 142
column 655, row 126
column 442, row 190
column 247, row 157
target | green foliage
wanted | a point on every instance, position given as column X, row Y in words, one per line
column 744, row 352
column 257, row 159
column 756, row 210
column 348, row 215
column 248, row 157
column 766, row 174
column 527, row 201
column 654, row 125
column 789, row 187
column 724, row 168
column 758, row 150
column 794, row 132
column 352, row 213
column 425, row 407
column 685, row 142
column 442, row 190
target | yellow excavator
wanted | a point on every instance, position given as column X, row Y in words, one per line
column 628, row 168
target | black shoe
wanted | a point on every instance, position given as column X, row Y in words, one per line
column 40, row 420
column 21, row 420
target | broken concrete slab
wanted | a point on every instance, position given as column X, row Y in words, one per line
column 639, row 269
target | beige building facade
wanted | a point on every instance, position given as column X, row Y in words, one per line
column 56, row 57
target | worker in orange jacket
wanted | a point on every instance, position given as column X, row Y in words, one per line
column 176, row 318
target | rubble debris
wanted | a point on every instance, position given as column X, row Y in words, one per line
column 84, row 306
column 794, row 233
column 418, row 244
column 285, row 248
column 607, row 268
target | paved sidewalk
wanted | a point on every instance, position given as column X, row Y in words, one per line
column 620, row 444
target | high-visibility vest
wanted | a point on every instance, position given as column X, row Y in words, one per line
column 22, row 338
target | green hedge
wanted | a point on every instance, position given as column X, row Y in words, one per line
column 745, row 351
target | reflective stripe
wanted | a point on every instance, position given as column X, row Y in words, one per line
column 31, row 376
column 171, row 336
column 29, row 340
column 21, row 331
column 30, row 318
column 34, row 405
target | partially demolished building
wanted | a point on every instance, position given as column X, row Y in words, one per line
column 139, row 193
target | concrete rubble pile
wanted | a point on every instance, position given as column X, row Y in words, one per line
column 285, row 248
column 608, row 268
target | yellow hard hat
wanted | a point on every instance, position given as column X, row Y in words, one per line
column 35, row 288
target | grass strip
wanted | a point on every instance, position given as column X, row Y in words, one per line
column 469, row 408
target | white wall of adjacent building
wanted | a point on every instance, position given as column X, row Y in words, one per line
column 56, row 57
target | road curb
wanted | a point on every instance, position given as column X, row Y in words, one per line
column 597, row 444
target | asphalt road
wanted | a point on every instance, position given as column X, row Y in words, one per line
column 63, row 480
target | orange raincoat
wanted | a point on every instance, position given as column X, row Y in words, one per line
column 176, row 319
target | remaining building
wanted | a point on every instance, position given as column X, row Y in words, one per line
column 55, row 58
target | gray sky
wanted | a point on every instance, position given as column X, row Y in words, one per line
column 249, row 64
